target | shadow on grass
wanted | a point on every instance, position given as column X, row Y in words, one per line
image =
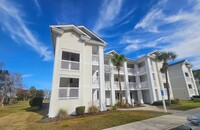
column 43, row 111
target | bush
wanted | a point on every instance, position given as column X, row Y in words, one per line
column 93, row 109
column 159, row 103
column 36, row 102
column 114, row 108
column 196, row 96
column 62, row 113
column 196, row 99
column 80, row 110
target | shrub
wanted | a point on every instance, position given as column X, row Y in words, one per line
column 93, row 109
column 196, row 96
column 36, row 102
column 114, row 108
column 62, row 113
column 159, row 103
column 80, row 110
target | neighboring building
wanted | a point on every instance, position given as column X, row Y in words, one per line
column 197, row 81
column 83, row 75
column 182, row 80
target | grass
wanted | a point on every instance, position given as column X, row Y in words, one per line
column 20, row 116
column 183, row 105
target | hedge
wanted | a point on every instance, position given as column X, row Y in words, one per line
column 160, row 102
column 80, row 110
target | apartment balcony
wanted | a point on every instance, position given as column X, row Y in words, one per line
column 116, row 85
column 131, row 71
column 70, row 65
column 107, row 85
column 106, row 68
column 132, row 85
column 116, row 71
column 95, row 58
column 144, row 84
column 95, row 84
column 188, row 79
column 191, row 91
column 142, row 69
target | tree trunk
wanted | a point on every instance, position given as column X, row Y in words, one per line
column 120, row 87
column 167, row 85
column 2, row 100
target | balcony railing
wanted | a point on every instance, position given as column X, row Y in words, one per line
column 68, row 92
column 132, row 85
column 191, row 91
column 121, row 69
column 116, row 85
column 107, row 85
column 95, row 83
column 188, row 79
column 163, row 76
column 142, row 69
column 70, row 65
column 144, row 84
column 106, row 68
column 131, row 71
column 95, row 58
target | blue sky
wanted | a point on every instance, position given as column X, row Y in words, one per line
column 131, row 27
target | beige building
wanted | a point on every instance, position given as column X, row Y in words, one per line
column 182, row 80
column 83, row 75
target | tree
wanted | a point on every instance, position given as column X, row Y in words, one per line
column 165, row 57
column 196, row 74
column 118, row 61
column 4, row 85
column 32, row 92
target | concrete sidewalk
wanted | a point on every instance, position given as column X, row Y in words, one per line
column 165, row 122
column 159, row 123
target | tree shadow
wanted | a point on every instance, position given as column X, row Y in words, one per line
column 43, row 111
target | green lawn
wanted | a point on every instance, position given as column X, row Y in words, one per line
column 19, row 116
column 184, row 105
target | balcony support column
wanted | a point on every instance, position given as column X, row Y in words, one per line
column 127, row 91
column 138, row 84
column 151, row 83
column 112, row 92
column 102, row 100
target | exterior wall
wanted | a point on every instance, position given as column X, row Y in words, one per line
column 180, row 81
column 70, row 42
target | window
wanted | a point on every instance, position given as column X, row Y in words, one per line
column 70, row 60
column 190, row 86
column 186, row 74
column 70, row 56
column 154, row 78
column 68, row 87
column 117, row 95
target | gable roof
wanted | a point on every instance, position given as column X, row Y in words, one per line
column 182, row 62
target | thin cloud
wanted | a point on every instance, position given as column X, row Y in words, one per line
column 38, row 6
column 109, row 11
column 27, row 75
column 13, row 21
column 182, row 37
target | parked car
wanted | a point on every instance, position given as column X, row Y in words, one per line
column 193, row 122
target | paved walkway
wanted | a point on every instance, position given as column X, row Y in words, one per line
column 165, row 122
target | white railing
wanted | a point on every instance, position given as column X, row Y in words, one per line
column 142, row 69
column 132, row 85
column 131, row 71
column 116, row 85
column 155, row 84
column 95, row 83
column 121, row 69
column 163, row 76
column 68, row 92
column 191, row 91
column 106, row 68
column 152, row 67
column 188, row 79
column 95, row 58
column 144, row 84
column 70, row 65
column 107, row 85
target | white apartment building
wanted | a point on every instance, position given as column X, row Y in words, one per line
column 182, row 80
column 83, row 75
